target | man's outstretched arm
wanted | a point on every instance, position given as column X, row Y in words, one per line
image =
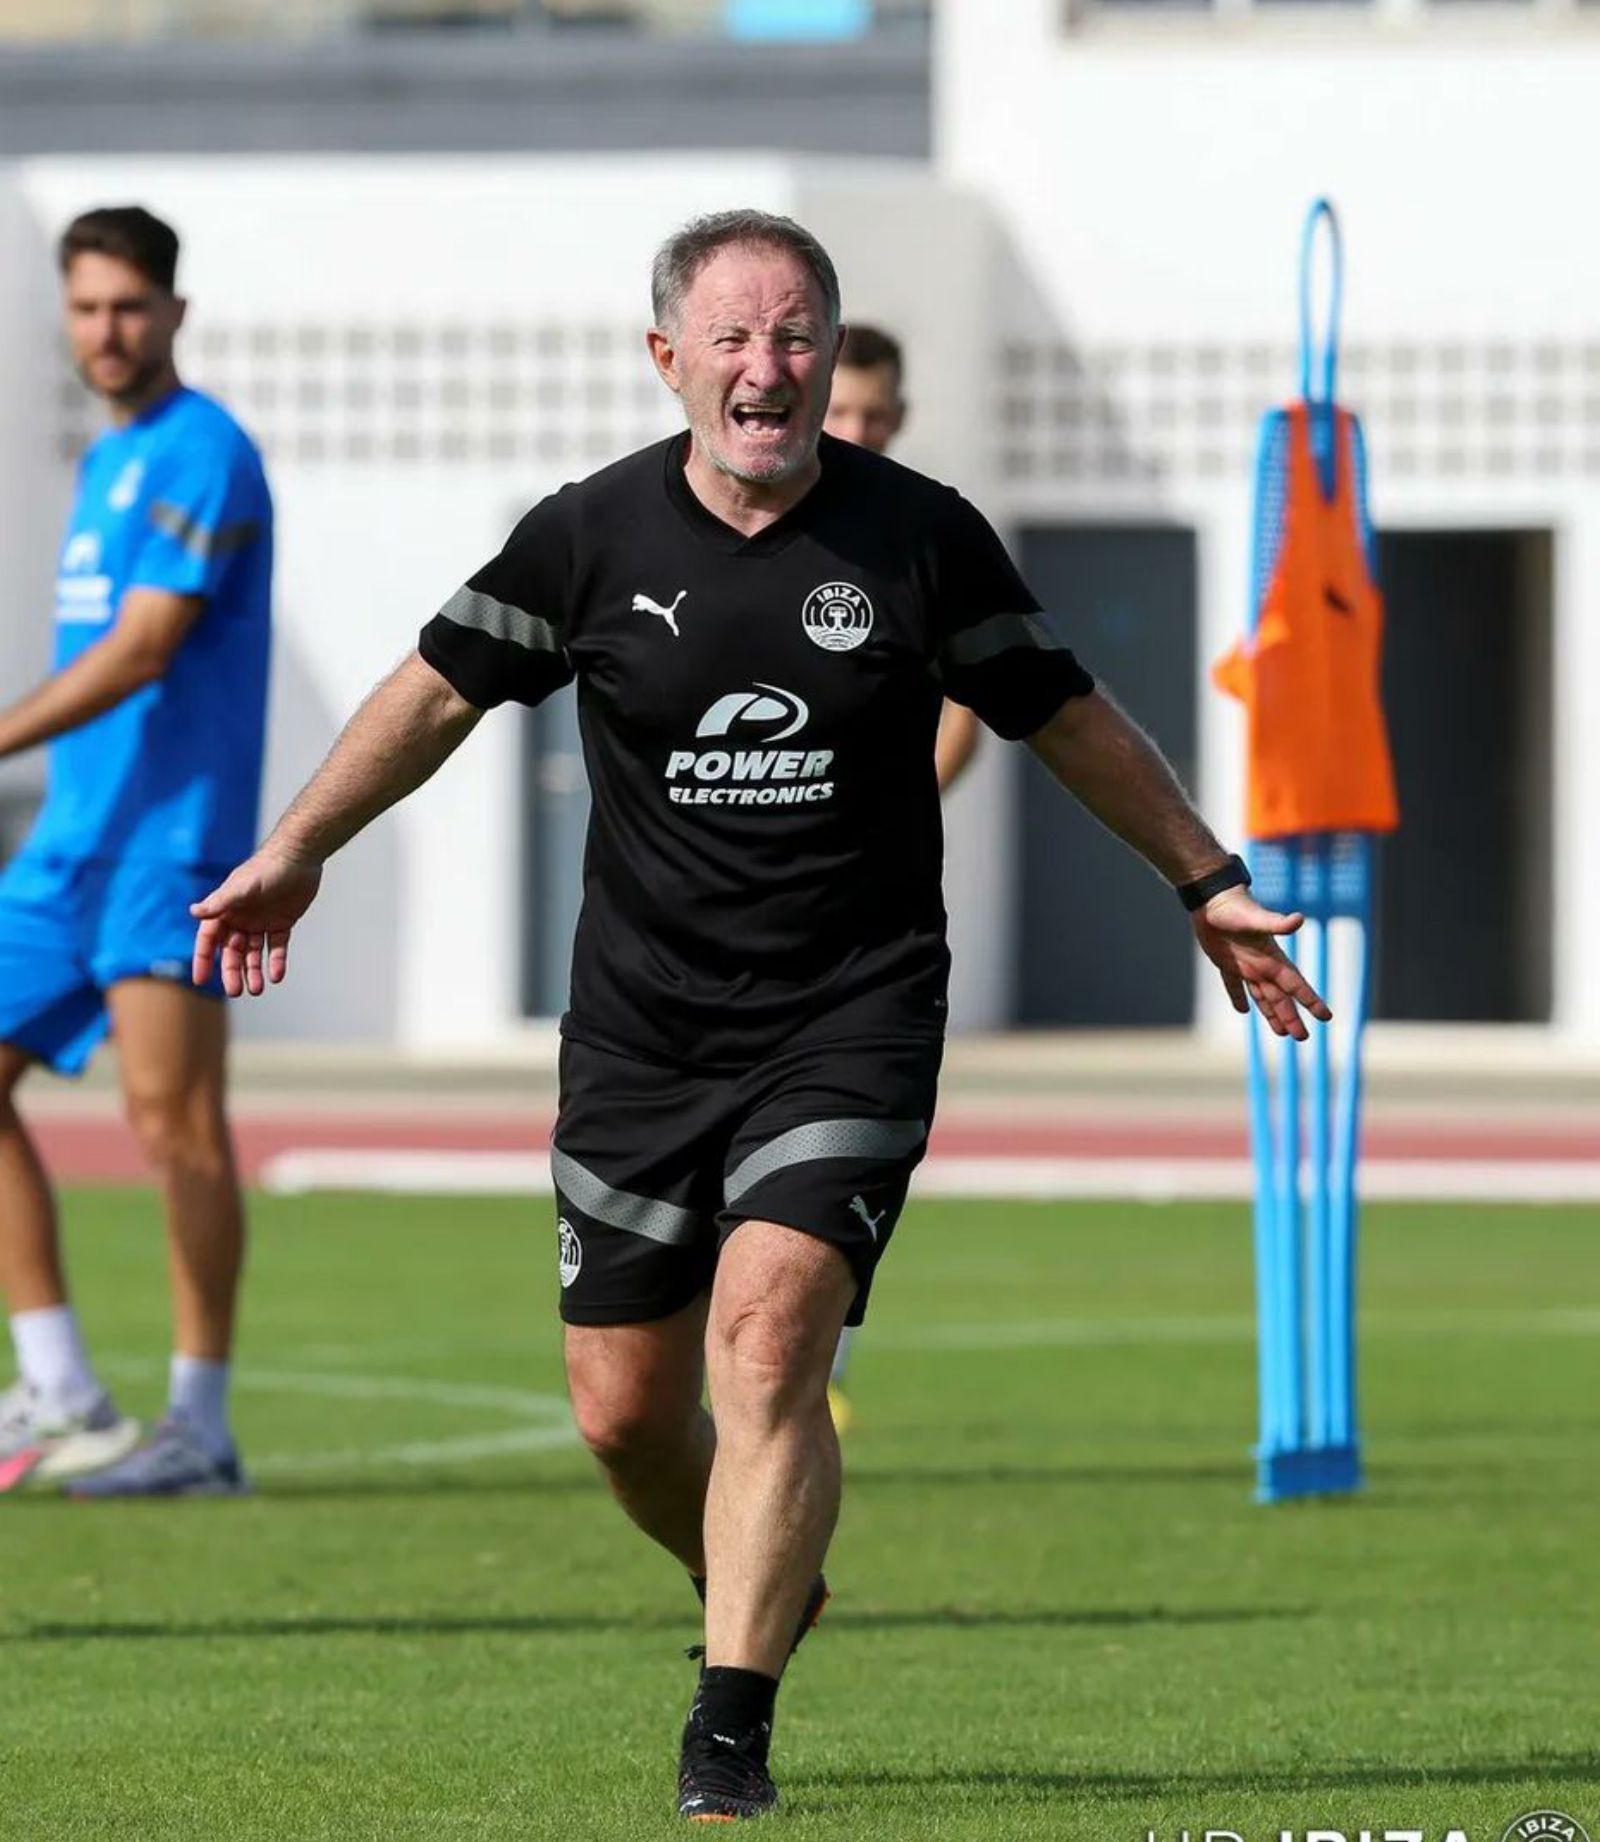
column 150, row 626
column 404, row 732
column 1110, row 764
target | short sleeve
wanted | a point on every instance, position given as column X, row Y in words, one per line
column 204, row 508
column 995, row 651
column 501, row 637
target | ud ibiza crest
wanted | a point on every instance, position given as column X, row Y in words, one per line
column 570, row 1252
column 837, row 616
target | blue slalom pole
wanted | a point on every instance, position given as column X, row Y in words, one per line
column 1266, row 1200
column 1320, row 1253
column 1347, row 1147
column 1290, row 1264
column 1305, row 1108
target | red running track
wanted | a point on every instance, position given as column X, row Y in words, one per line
column 100, row 1149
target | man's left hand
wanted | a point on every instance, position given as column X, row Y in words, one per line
column 1240, row 938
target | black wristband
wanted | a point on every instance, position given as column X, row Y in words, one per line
column 1234, row 874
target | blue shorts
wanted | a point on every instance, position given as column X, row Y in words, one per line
column 70, row 930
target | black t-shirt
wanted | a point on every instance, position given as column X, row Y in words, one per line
column 758, row 719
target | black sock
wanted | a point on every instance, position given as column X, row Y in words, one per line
column 736, row 1705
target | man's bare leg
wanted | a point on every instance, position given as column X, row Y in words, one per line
column 31, row 1273
column 61, row 1423
column 636, row 1396
column 172, row 1047
column 776, row 1310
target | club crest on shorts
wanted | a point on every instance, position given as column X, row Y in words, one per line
column 837, row 616
column 1546, row 1826
column 571, row 1255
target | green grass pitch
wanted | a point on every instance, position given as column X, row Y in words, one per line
column 1058, row 1612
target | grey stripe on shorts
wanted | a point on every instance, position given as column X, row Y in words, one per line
column 641, row 1215
column 825, row 1138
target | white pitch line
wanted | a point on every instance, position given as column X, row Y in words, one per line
column 417, row 1173
column 423, row 1452
column 551, row 1428
column 494, row 1173
column 1104, row 1333
column 522, row 1402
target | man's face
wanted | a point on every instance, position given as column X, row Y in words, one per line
column 866, row 406
column 751, row 356
column 120, row 325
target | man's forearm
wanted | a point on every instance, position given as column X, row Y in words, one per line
column 96, row 681
column 955, row 744
column 404, row 732
column 1105, row 759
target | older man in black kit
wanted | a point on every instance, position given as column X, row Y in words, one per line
column 762, row 622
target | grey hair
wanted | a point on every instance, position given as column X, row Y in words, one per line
column 686, row 252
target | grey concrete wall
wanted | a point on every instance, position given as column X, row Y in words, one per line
column 507, row 93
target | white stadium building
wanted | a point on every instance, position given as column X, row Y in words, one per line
column 1093, row 270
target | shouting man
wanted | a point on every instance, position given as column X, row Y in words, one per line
column 758, row 990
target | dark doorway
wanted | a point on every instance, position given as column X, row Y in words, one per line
column 1464, row 905
column 1097, row 946
column 556, row 818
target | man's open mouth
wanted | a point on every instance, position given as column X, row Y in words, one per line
column 762, row 418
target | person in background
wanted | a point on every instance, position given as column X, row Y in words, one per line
column 154, row 720
column 867, row 405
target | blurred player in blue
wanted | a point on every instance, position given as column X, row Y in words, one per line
column 154, row 720
column 867, row 405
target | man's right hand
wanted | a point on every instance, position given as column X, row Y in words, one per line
column 247, row 919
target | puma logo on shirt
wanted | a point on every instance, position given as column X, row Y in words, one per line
column 642, row 604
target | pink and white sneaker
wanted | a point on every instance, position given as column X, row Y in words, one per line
column 41, row 1443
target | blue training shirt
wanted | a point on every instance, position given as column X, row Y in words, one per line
column 177, row 500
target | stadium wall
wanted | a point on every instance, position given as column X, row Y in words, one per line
column 1150, row 175
column 424, row 346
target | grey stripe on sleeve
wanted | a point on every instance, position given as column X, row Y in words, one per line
column 655, row 1221
column 824, row 1138
column 1000, row 633
column 470, row 607
column 174, row 522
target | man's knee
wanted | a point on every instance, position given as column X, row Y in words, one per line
column 178, row 1132
column 624, row 1414
column 765, row 1360
column 776, row 1310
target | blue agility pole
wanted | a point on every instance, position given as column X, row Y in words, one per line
column 1320, row 787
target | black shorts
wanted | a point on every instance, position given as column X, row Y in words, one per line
column 655, row 1166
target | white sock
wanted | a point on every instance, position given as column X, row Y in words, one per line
column 52, row 1358
column 198, row 1395
column 841, row 1356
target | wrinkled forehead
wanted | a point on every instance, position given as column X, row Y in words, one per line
column 755, row 285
